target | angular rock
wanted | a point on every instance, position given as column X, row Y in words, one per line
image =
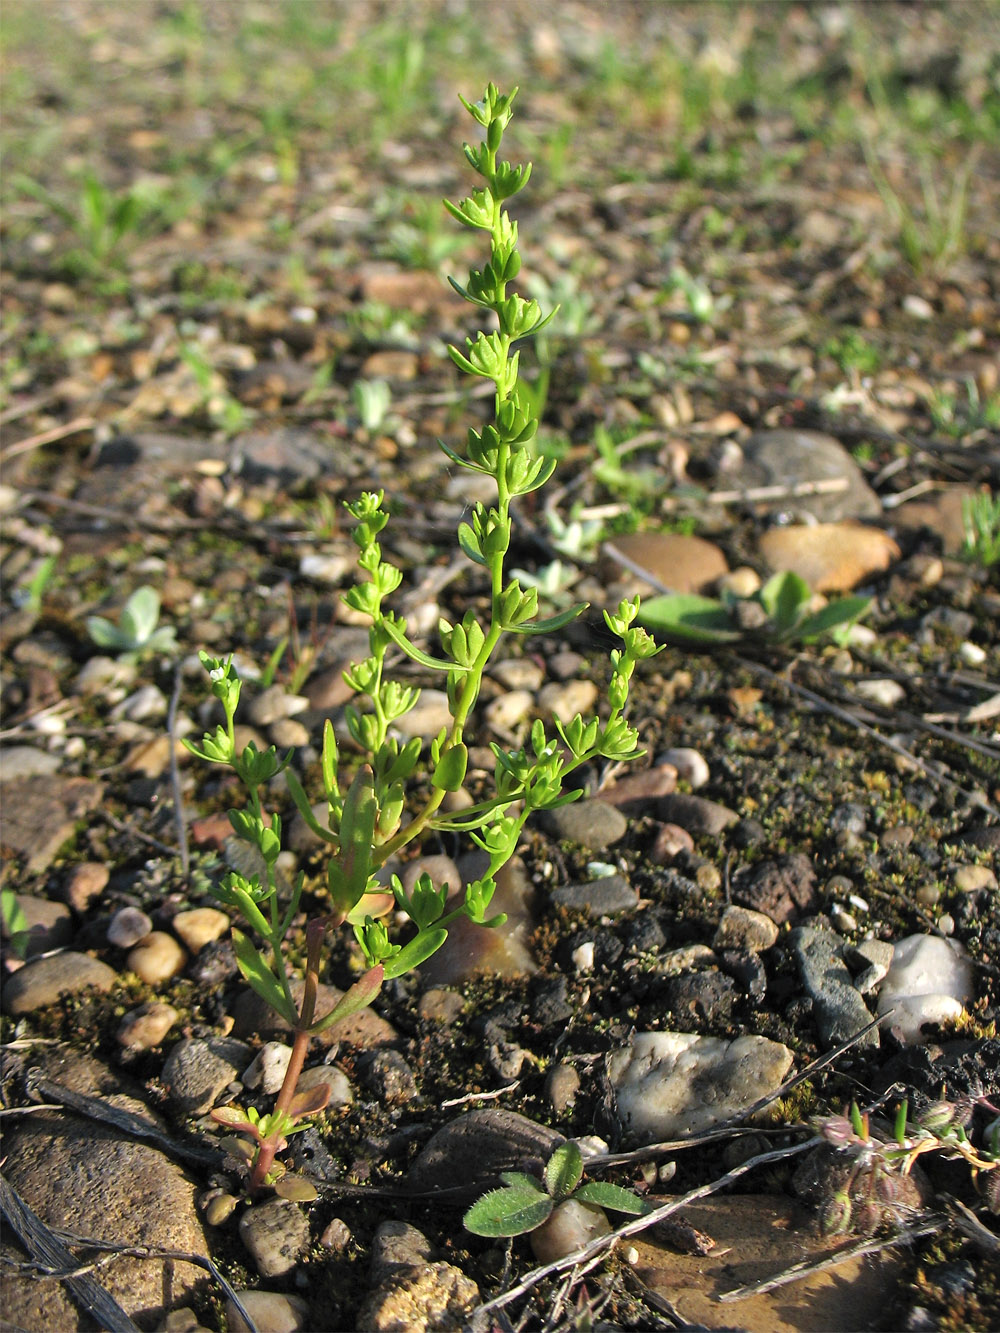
column 781, row 889
column 839, row 1009
column 929, row 981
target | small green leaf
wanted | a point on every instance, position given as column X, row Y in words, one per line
column 549, row 623
column 416, row 952
column 783, row 597
column 508, row 1212
column 689, row 617
column 563, row 1171
column 451, row 767
column 399, row 638
column 845, row 611
column 619, row 1200
column 296, row 1188
column 358, row 997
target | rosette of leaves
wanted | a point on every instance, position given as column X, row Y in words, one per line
column 777, row 613
column 136, row 634
column 525, row 1202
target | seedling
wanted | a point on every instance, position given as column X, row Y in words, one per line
column 374, row 812
column 525, row 1202
column 981, row 520
column 136, row 635
column 778, row 613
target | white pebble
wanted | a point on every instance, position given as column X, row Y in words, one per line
column 972, row 654
column 583, row 956
column 325, row 568
column 690, row 765
column 929, row 982
column 127, row 927
column 507, row 710
column 267, row 1070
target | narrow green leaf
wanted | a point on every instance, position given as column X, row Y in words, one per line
column 549, row 623
column 508, row 1212
column 416, row 952
column 358, row 997
column 417, row 654
column 844, row 611
column 261, row 978
column 783, row 596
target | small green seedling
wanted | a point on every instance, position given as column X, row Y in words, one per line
column 778, row 613
column 135, row 636
column 981, row 520
column 525, row 1203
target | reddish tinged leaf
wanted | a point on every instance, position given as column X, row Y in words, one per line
column 310, row 1101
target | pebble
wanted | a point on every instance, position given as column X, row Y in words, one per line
column 199, row 1069
column 929, row 981
column 443, row 872
column 439, row 1005
column 336, row 1235
column 571, row 1225
column 972, row 878
column 838, row 1007
column 274, row 704
column 341, row 1092
column 518, row 673
column 831, row 557
column 565, row 664
column 127, row 927
column 430, row 713
column 669, row 841
column 267, row 1069
column 41, row 814
column 277, row 1234
column 562, row 1083
column 146, row 704
column 743, row 582
column 42, row 982
column 637, row 793
column 397, row 1245
column 583, row 956
column 388, row 1076
column 85, row 883
column 695, row 813
column 200, row 926
column 563, row 700
column 786, row 456
column 502, row 950
column 253, row 1017
column 686, row 959
column 689, row 764
column 675, row 561
column 271, row 1312
column 158, row 958
column 887, row 693
column 672, row 1083
column 145, row 1028
column 100, row 674
column 588, row 823
column 330, row 569
column 781, row 888
column 287, row 734
column 598, row 897
column 741, row 928
column 842, row 920
column 506, row 711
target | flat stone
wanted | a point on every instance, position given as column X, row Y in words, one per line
column 670, row 559
column 501, row 950
column 271, row 1312
column 831, row 557
column 598, row 897
column 480, row 1144
column 41, row 814
column 672, row 1083
column 42, row 982
column 588, row 823
column 695, row 813
column 840, row 1011
column 27, row 761
column 790, row 458
column 637, row 791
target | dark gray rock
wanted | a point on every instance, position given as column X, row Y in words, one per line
column 592, row 824
column 838, row 1007
column 792, row 457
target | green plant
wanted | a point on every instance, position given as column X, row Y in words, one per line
column 981, row 520
column 853, row 353
column 373, row 399
column 871, row 1194
column 222, row 409
column 30, row 593
column 525, row 1203
column 777, row 613
column 136, row 635
column 962, row 419
column 15, row 923
column 375, row 813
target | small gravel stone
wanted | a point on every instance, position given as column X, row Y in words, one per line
column 99, row 674
column 157, row 958
column 842, row 920
column 199, row 1069
column 288, row 734
column 27, row 761
column 687, row 959
column 569, row 1227
column 588, row 823
column 277, row 1234
column 972, row 878
column 267, row 1069
column 781, row 888
column 705, row 996
column 85, row 883
column 885, row 693
column 145, row 1028
column 695, row 813
column 637, row 793
column 274, row 704
column 336, row 1236
column 561, row 1086
column 329, row 569
column 388, row 1076
column 443, row 872
column 506, row 711
column 518, row 673
column 341, row 1092
column 422, row 1299
column 669, row 841
column 439, row 1005
column 741, row 928
column 689, row 764
column 427, row 717
column 146, row 704
column 397, row 1245
column 42, row 982
column 840, row 1011
column 200, row 926
column 598, row 897
column 870, row 960
column 219, row 1208
column 563, row 700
